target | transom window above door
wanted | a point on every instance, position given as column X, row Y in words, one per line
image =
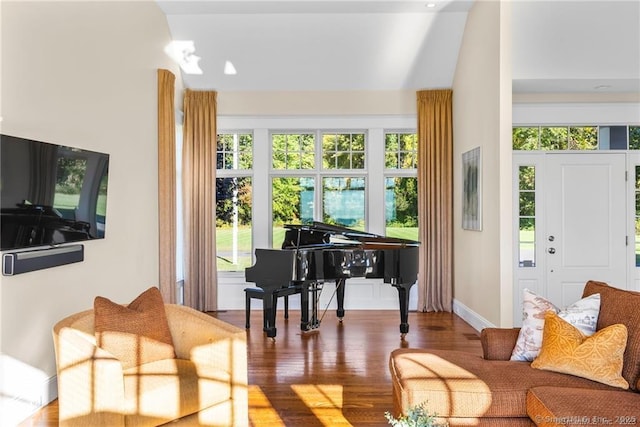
column 581, row 138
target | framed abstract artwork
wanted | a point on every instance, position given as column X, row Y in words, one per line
column 472, row 189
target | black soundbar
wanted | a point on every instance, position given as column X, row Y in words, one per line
column 37, row 259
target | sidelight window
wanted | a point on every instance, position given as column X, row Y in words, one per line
column 637, row 215
column 527, row 216
column 234, row 159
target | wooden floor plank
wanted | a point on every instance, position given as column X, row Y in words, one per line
column 337, row 376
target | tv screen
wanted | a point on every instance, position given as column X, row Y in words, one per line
column 50, row 194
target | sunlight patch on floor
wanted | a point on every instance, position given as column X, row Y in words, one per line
column 325, row 401
column 261, row 411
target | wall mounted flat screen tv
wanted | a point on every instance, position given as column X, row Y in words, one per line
column 50, row 194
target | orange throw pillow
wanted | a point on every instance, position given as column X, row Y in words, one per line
column 136, row 334
column 598, row 357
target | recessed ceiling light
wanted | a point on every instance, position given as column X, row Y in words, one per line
column 229, row 69
column 431, row 5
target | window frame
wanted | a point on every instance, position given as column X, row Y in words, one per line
column 398, row 172
column 237, row 173
column 263, row 127
column 602, row 137
column 318, row 173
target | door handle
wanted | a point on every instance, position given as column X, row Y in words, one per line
column 551, row 250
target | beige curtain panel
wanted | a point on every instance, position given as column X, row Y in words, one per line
column 167, row 185
column 199, row 184
column 435, row 201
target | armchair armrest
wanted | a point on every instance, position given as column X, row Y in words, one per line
column 212, row 345
column 498, row 343
column 90, row 380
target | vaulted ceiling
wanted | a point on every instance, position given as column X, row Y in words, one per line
column 307, row 45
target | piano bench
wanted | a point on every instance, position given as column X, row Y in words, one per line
column 258, row 293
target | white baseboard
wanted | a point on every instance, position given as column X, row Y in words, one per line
column 51, row 390
column 23, row 391
column 471, row 317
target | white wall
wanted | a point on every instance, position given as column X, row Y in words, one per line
column 579, row 113
column 81, row 74
column 317, row 103
column 482, row 117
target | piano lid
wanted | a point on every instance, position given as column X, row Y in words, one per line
column 322, row 234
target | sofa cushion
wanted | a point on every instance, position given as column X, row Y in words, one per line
column 598, row 357
column 550, row 405
column 136, row 334
column 583, row 314
column 621, row 306
column 168, row 389
column 460, row 384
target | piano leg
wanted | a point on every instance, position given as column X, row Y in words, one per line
column 306, row 323
column 304, row 307
column 403, row 296
column 314, row 305
column 269, row 307
column 340, row 284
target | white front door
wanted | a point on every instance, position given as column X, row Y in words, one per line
column 585, row 232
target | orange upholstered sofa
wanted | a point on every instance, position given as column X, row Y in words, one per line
column 492, row 390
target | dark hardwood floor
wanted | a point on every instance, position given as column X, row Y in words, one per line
column 337, row 376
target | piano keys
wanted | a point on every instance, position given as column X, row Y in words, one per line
column 319, row 252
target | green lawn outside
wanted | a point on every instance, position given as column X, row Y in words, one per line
column 66, row 201
column 224, row 244
column 410, row 233
column 71, row 201
column 224, row 236
column 527, row 243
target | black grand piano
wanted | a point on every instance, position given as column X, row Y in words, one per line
column 315, row 253
column 39, row 225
